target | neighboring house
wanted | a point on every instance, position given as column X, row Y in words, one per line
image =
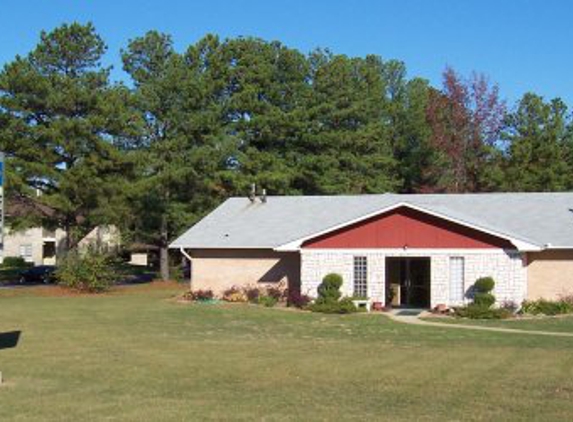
column 40, row 246
column 103, row 237
column 426, row 249
column 36, row 245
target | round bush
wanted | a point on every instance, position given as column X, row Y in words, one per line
column 484, row 285
column 329, row 289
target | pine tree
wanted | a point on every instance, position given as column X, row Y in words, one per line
column 180, row 153
column 62, row 117
column 539, row 146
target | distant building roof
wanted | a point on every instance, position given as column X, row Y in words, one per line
column 536, row 220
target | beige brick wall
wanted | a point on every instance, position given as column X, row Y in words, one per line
column 220, row 269
column 13, row 240
column 550, row 274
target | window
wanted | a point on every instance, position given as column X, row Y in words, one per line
column 456, row 279
column 26, row 252
column 360, row 276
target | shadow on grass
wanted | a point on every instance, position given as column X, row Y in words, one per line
column 9, row 339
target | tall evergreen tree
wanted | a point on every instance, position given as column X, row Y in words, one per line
column 263, row 109
column 180, row 149
column 404, row 108
column 61, row 117
column 345, row 147
column 539, row 146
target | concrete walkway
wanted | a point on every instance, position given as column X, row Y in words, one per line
column 412, row 316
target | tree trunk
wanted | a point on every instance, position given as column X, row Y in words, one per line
column 163, row 251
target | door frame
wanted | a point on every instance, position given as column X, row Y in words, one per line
column 408, row 261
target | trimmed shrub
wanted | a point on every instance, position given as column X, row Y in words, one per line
column 297, row 300
column 329, row 289
column 15, row 262
column 483, row 300
column 93, row 271
column 268, row 301
column 328, row 297
column 484, row 285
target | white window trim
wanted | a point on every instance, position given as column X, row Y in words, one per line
column 365, row 274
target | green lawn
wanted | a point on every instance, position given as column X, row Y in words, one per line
column 137, row 355
column 556, row 324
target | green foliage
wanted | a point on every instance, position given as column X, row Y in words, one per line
column 328, row 297
column 484, row 299
column 484, row 285
column 14, row 262
column 62, row 120
column 176, row 273
column 482, row 296
column 478, row 311
column 179, row 149
column 92, row 271
column 268, row 301
column 344, row 306
column 546, row 307
column 329, row 289
column 199, row 125
column 539, row 141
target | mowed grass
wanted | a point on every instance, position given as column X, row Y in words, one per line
column 559, row 324
column 138, row 355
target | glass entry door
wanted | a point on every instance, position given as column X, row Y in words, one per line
column 413, row 277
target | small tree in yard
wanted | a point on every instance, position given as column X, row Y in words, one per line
column 93, row 271
column 329, row 294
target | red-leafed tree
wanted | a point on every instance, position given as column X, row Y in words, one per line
column 465, row 118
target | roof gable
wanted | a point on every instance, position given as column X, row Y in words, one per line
column 405, row 227
column 440, row 231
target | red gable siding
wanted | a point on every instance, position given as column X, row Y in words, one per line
column 405, row 227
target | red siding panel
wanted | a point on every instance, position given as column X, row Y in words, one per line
column 405, row 227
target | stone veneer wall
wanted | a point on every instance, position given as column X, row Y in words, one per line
column 506, row 267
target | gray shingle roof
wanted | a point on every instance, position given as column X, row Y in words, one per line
column 537, row 218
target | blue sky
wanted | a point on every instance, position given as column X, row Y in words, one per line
column 521, row 44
